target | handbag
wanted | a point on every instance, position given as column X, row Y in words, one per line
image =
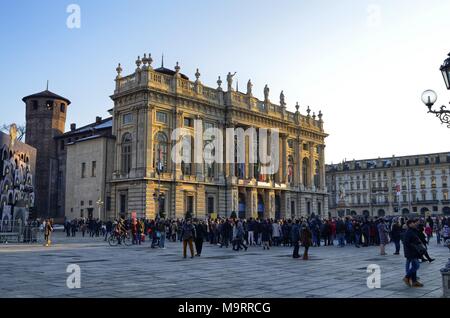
column 420, row 249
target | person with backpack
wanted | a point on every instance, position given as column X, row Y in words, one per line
column 188, row 236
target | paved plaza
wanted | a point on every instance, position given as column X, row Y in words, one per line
column 139, row 271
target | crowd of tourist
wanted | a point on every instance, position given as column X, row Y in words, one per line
column 356, row 231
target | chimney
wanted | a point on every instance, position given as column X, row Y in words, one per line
column 98, row 119
column 73, row 127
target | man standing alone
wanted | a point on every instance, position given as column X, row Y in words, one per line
column 188, row 235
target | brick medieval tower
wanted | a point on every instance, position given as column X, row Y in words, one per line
column 45, row 120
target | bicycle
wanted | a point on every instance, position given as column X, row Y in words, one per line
column 125, row 237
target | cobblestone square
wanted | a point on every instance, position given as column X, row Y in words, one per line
column 139, row 271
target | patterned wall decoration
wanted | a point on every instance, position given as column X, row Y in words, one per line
column 17, row 167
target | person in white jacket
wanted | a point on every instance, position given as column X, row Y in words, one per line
column 276, row 233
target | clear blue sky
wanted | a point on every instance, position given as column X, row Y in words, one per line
column 363, row 63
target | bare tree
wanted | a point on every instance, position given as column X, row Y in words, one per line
column 20, row 130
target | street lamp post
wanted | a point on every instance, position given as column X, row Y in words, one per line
column 100, row 204
column 429, row 97
column 158, row 196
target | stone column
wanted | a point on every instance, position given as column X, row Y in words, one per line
column 298, row 174
column 311, row 164
column 178, row 120
column 149, row 140
column 322, row 168
column 283, row 158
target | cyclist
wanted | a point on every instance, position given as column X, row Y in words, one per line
column 120, row 229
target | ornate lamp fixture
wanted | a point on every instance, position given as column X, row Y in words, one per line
column 429, row 97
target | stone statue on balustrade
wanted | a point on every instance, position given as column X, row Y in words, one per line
column 249, row 88
column 230, row 81
column 282, row 101
column 266, row 93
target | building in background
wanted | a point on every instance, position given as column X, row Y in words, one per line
column 17, row 179
column 416, row 184
column 89, row 167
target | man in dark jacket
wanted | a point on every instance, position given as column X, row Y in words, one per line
column 340, row 232
column 295, row 238
column 226, row 233
column 188, row 235
column 200, row 234
column 411, row 245
column 396, row 234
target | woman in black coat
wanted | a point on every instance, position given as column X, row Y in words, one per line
column 423, row 239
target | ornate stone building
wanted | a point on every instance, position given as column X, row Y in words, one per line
column 150, row 104
column 416, row 184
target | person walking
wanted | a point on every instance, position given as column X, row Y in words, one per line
column 425, row 257
column 239, row 237
column 276, row 233
column 295, row 238
column 200, row 235
column 306, row 239
column 251, row 232
column 396, row 233
column 188, row 235
column 48, row 229
column 428, row 232
column 265, row 234
column 340, row 232
column 413, row 249
column 161, row 229
column 358, row 232
column 383, row 235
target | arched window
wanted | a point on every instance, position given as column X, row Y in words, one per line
column 126, row 153
column 317, row 174
column 305, row 171
column 160, row 152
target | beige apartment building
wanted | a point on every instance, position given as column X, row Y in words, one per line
column 149, row 104
column 89, row 166
column 416, row 184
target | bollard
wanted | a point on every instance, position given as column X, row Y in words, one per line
column 445, row 272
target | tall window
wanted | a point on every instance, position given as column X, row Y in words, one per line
column 161, row 117
column 94, row 169
column 126, row 153
column 305, row 170
column 83, row 170
column 160, row 152
column 127, row 119
column 123, row 204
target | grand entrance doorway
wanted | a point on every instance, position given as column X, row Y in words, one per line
column 242, row 206
column 277, row 207
column 260, row 206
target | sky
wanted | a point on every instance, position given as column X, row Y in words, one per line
column 364, row 64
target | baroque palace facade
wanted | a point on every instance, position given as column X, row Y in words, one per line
column 150, row 104
column 416, row 184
